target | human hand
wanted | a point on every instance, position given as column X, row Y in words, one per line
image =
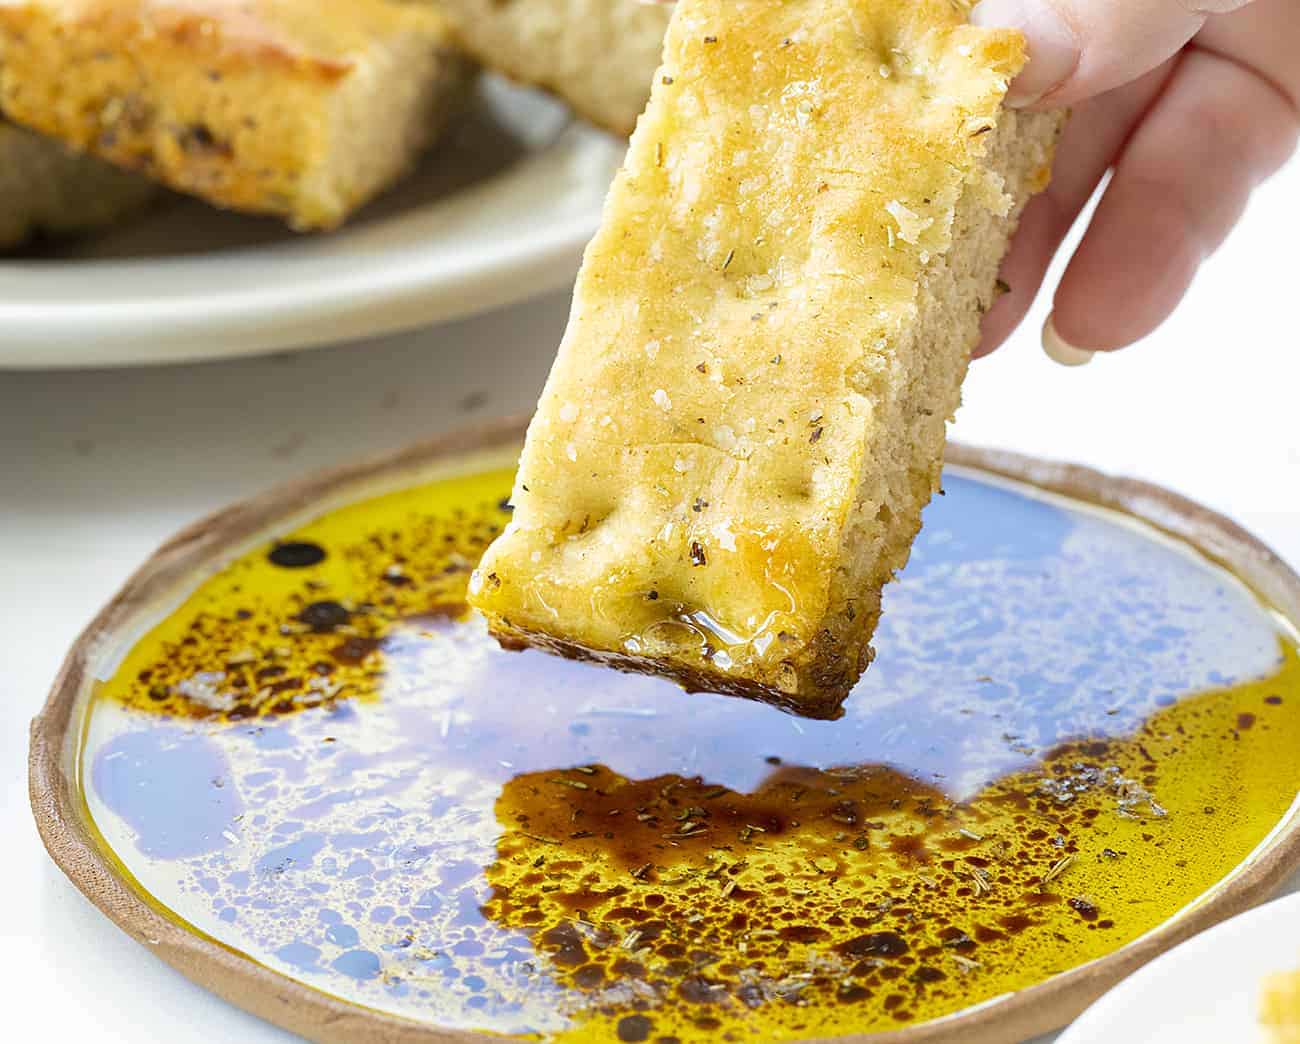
column 1192, row 103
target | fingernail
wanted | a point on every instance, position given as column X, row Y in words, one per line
column 1053, row 47
column 1060, row 350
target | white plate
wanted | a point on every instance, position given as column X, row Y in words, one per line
column 1204, row 991
column 500, row 212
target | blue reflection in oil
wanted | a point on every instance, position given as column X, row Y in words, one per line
column 1020, row 622
column 172, row 787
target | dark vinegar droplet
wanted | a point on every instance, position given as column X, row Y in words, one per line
column 297, row 554
column 875, row 944
column 354, row 650
column 323, row 617
column 634, row 1028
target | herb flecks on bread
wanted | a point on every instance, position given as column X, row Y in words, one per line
column 769, row 332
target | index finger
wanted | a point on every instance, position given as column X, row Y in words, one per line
column 1082, row 48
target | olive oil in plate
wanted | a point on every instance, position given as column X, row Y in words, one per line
column 1075, row 728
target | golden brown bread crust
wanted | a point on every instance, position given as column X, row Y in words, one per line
column 747, row 413
column 269, row 106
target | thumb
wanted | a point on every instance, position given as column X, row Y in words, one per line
column 1080, row 48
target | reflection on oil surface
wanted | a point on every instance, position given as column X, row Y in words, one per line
column 1072, row 730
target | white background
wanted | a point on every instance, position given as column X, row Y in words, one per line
column 96, row 468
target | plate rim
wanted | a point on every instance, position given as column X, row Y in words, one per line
column 331, row 297
column 70, row 837
column 1290, row 903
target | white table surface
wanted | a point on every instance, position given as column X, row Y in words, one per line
column 96, row 468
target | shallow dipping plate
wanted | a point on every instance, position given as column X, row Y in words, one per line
column 283, row 759
column 1205, row 991
column 499, row 212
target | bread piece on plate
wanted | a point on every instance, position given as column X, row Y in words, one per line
column 1280, row 1007
column 598, row 55
column 281, row 107
column 769, row 331
column 46, row 189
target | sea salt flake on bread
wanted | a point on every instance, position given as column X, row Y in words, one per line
column 769, row 332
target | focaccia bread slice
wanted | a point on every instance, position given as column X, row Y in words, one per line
column 46, row 189
column 769, row 331
column 283, row 107
column 1279, row 1010
column 598, row 55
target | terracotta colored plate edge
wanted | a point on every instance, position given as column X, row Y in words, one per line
column 73, row 844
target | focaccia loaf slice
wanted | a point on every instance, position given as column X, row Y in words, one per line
column 284, row 107
column 598, row 55
column 46, row 189
column 769, row 331
column 1280, row 1007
